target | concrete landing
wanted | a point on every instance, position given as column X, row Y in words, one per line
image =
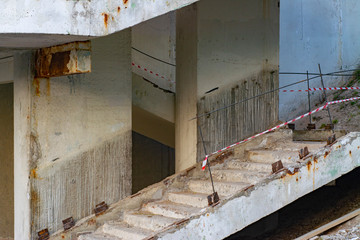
column 177, row 208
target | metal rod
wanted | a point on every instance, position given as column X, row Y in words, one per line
column 271, row 91
column 207, row 163
column 308, row 85
column 328, row 109
column 325, row 74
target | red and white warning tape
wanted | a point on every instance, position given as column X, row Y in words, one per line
column 321, row 89
column 149, row 71
column 278, row 126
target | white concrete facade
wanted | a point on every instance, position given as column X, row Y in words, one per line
column 313, row 32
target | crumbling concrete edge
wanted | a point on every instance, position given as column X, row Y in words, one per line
column 273, row 193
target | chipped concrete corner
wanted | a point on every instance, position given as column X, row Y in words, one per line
column 273, row 193
column 66, row 59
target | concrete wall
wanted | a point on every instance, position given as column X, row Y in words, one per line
column 147, row 96
column 6, row 160
column 238, row 53
column 156, row 38
column 151, row 161
column 78, row 131
column 313, row 32
column 6, row 69
column 153, row 112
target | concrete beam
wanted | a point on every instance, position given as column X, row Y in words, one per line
column 75, row 18
column 66, row 59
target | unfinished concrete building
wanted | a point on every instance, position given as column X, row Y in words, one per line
column 97, row 99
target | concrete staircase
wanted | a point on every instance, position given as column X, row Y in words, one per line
column 181, row 200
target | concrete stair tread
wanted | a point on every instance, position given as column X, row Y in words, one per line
column 126, row 231
column 147, row 220
column 271, row 156
column 222, row 187
column 296, row 146
column 171, row 209
column 97, row 236
column 237, row 175
column 251, row 166
column 189, row 198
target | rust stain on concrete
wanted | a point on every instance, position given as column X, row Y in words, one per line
column 33, row 173
column 36, row 84
column 106, row 19
column 308, row 165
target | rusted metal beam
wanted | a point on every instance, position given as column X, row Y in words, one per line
column 66, row 59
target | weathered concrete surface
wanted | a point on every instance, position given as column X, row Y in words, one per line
column 73, row 186
column 22, row 105
column 186, row 87
column 268, row 196
column 303, row 46
column 238, row 63
column 81, row 18
column 6, row 159
column 80, row 139
column 242, row 120
column 316, row 135
column 170, row 210
column 157, row 38
column 152, row 99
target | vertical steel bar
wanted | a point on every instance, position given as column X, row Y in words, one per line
column 208, row 164
column 308, row 85
column 328, row 109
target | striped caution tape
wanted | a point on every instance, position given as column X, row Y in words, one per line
column 151, row 72
column 277, row 127
column 321, row 89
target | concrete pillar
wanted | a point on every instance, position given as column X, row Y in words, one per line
column 72, row 138
column 186, row 87
column 22, row 105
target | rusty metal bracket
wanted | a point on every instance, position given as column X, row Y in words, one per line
column 291, row 126
column 303, row 152
column 329, row 127
column 213, row 198
column 331, row 139
column 100, row 208
column 276, row 166
column 68, row 223
column 311, row 126
column 43, row 234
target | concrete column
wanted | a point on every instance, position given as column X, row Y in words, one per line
column 186, row 87
column 22, row 105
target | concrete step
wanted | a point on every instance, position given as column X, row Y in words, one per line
column 222, row 188
column 249, row 166
column 123, row 230
column 234, row 175
column 97, row 236
column 171, row 209
column 271, row 156
column 189, row 198
column 148, row 220
column 296, row 146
